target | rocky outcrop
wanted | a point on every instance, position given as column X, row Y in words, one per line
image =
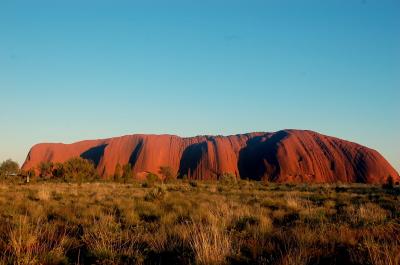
column 283, row 156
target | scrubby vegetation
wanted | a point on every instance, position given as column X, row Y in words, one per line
column 182, row 222
column 73, row 170
column 67, row 215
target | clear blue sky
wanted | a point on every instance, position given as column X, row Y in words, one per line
column 73, row 70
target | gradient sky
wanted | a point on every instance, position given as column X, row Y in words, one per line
column 73, row 70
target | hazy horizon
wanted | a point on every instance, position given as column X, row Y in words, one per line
column 76, row 70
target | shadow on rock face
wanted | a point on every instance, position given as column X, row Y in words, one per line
column 191, row 159
column 259, row 158
column 94, row 154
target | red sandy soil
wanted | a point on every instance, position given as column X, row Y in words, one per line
column 283, row 156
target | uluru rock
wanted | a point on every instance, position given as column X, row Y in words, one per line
column 283, row 156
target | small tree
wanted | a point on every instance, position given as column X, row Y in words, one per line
column 9, row 168
column 389, row 183
column 167, row 173
column 127, row 173
column 118, row 173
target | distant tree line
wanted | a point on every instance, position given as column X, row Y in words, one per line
column 75, row 169
column 78, row 169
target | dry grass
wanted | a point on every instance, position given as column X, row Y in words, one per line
column 381, row 252
column 202, row 223
column 210, row 244
column 32, row 242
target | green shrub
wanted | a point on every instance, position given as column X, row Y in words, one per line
column 58, row 171
column 79, row 170
column 151, row 179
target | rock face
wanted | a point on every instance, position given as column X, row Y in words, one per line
column 283, row 156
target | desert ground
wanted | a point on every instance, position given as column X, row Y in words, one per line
column 199, row 222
